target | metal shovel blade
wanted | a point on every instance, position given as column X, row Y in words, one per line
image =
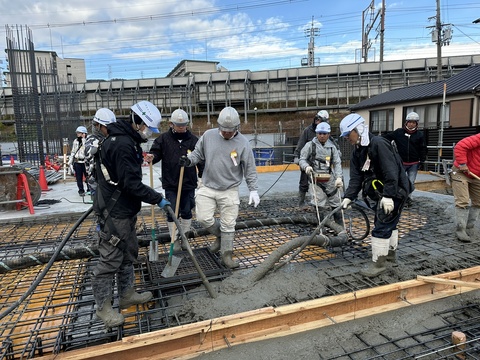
column 171, row 267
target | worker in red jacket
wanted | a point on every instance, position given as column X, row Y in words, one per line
column 466, row 186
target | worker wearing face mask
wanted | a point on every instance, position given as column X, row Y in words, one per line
column 228, row 158
column 117, row 201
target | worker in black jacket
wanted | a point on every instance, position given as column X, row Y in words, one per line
column 168, row 148
column 376, row 170
column 117, row 201
column 411, row 146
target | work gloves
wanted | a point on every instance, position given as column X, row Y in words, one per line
column 184, row 161
column 309, row 170
column 296, row 160
column 72, row 172
column 346, row 203
column 254, row 198
column 387, row 205
column 199, row 183
column 338, row 183
column 164, row 202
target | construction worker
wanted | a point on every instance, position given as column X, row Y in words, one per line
column 228, row 159
column 466, row 186
column 169, row 147
column 308, row 134
column 320, row 160
column 76, row 161
column 410, row 143
column 117, row 201
column 101, row 119
column 376, row 169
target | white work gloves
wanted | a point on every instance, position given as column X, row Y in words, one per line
column 254, row 198
column 387, row 205
column 345, row 203
column 296, row 160
column 338, row 183
column 309, row 170
column 72, row 172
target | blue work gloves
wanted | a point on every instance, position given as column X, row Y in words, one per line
column 184, row 161
column 164, row 202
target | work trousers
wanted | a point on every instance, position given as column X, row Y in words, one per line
column 465, row 189
column 187, row 203
column 227, row 202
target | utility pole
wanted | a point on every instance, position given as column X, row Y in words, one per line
column 441, row 37
column 312, row 32
column 367, row 27
column 382, row 29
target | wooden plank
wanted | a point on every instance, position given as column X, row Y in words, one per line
column 436, row 280
column 188, row 341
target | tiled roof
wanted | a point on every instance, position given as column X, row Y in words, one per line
column 466, row 81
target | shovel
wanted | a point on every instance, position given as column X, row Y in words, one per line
column 153, row 250
column 174, row 261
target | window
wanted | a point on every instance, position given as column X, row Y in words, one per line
column 381, row 121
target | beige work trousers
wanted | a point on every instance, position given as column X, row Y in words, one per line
column 209, row 200
column 465, row 189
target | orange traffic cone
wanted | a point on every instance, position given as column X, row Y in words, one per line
column 42, row 180
column 12, row 160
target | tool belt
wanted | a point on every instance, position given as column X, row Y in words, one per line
column 321, row 177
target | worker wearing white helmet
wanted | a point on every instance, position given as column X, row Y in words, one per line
column 102, row 118
column 228, row 158
column 117, row 202
column 168, row 148
column 76, row 161
column 411, row 146
column 376, row 170
column 307, row 135
column 320, row 160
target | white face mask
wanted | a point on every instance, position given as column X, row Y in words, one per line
column 146, row 133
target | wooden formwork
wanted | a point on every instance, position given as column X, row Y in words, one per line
column 188, row 341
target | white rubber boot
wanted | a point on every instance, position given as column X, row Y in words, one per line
column 472, row 218
column 215, row 230
column 379, row 256
column 176, row 244
column 392, row 248
column 186, row 226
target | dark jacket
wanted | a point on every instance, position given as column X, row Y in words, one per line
column 169, row 149
column 411, row 147
column 385, row 165
column 123, row 157
column 308, row 134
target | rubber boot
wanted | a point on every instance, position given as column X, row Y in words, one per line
column 392, row 248
column 110, row 317
column 471, row 219
column 461, row 218
column 301, row 198
column 215, row 230
column 128, row 296
column 102, row 293
column 227, row 250
column 338, row 218
column 379, row 257
column 186, row 226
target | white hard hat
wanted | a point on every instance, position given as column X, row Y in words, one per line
column 413, row 116
column 179, row 117
column 149, row 114
column 349, row 123
column 81, row 129
column 322, row 115
column 104, row 116
column 228, row 119
column 323, row 128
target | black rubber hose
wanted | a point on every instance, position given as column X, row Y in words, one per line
column 47, row 267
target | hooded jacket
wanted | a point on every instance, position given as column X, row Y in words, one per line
column 122, row 156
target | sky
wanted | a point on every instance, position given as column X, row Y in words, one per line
column 148, row 38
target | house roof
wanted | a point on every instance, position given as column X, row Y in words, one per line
column 466, row 81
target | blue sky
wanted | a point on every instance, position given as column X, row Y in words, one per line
column 148, row 38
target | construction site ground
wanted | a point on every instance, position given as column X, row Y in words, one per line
column 59, row 316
